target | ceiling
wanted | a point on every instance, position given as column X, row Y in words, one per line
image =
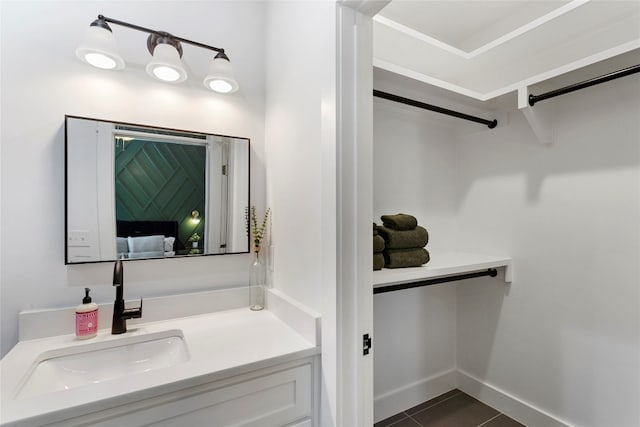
column 486, row 49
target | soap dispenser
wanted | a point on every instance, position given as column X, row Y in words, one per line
column 86, row 317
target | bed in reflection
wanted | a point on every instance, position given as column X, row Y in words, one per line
column 147, row 239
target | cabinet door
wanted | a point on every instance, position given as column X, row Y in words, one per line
column 276, row 397
column 271, row 400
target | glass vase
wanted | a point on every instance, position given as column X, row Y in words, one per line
column 257, row 283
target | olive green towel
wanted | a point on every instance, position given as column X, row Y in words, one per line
column 399, row 221
column 404, row 239
column 375, row 229
column 378, row 244
column 401, row 258
column 378, row 261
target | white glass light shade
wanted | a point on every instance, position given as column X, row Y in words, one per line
column 100, row 50
column 166, row 64
column 220, row 78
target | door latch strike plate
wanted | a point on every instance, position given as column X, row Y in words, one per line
column 366, row 344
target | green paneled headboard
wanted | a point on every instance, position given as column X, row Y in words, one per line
column 161, row 181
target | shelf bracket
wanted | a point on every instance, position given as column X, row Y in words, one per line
column 540, row 119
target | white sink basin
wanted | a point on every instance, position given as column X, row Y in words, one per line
column 80, row 365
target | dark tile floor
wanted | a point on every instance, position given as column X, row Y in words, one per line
column 452, row 409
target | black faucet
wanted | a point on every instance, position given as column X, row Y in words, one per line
column 121, row 314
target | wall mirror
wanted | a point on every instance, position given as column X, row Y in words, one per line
column 137, row 192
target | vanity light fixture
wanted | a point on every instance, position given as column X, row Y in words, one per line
column 166, row 64
column 99, row 50
column 220, row 78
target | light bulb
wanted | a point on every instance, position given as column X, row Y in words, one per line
column 165, row 73
column 220, row 86
column 166, row 64
column 100, row 60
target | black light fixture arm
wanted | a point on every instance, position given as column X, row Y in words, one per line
column 159, row 33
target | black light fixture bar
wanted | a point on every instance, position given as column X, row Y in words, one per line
column 391, row 97
column 577, row 86
column 159, row 33
column 492, row 272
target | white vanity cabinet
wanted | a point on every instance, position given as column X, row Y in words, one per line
column 236, row 367
column 281, row 395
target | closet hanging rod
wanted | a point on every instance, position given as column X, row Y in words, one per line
column 400, row 99
column 591, row 82
column 390, row 288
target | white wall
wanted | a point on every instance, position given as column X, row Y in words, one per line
column 565, row 336
column 415, row 170
column 300, row 77
column 300, row 137
column 42, row 80
column 414, row 330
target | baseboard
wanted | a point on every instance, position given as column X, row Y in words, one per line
column 403, row 398
column 515, row 408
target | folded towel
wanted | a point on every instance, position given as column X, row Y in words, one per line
column 396, row 239
column 378, row 244
column 378, row 261
column 399, row 221
column 400, row 258
column 375, row 229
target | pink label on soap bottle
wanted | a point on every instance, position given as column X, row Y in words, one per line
column 86, row 323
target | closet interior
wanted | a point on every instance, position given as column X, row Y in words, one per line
column 507, row 209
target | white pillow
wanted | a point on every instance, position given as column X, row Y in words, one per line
column 122, row 245
column 146, row 244
column 168, row 243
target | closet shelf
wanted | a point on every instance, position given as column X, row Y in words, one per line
column 442, row 265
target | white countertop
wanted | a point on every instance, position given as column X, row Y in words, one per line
column 220, row 345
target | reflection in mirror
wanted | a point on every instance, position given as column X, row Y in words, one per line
column 138, row 192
